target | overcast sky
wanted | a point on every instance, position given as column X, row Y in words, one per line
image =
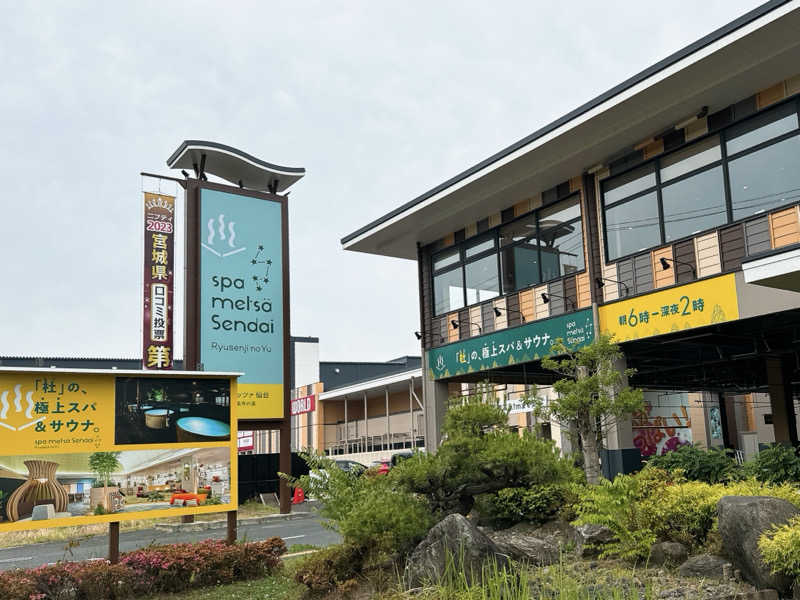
column 378, row 101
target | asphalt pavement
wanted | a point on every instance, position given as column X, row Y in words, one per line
column 296, row 531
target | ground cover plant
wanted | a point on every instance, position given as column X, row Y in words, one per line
column 146, row 572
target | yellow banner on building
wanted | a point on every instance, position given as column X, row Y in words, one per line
column 687, row 306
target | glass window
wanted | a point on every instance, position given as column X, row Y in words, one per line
column 561, row 239
column 762, row 128
column 448, row 291
column 520, row 265
column 476, row 248
column 766, row 178
column 632, row 226
column 694, row 204
column 445, row 259
column 482, row 280
column 684, row 161
column 629, row 184
column 518, row 230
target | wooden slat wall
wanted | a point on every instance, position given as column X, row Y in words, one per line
column 464, row 327
column 452, row 334
column 556, row 302
column 487, row 312
column 684, row 252
column 708, row 259
column 662, row 277
column 625, row 273
column 475, row 317
column 571, row 292
column 611, row 290
column 771, row 95
column 542, row 309
column 732, row 247
column 514, row 317
column 584, row 290
column 592, row 240
column 757, row 235
column 439, row 331
column 426, row 298
column 500, row 322
column 527, row 305
column 643, row 273
column 784, row 227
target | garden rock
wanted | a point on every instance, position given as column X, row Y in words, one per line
column 521, row 543
column 558, row 533
column 668, row 553
column 454, row 538
column 706, row 566
column 591, row 538
column 742, row 521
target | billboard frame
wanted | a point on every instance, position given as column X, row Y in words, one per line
column 192, row 257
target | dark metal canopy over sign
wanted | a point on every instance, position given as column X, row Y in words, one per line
column 235, row 166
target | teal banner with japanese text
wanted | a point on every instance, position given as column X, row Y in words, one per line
column 511, row 346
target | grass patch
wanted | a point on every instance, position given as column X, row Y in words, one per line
column 275, row 587
column 301, row 548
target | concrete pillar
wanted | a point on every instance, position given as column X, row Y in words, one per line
column 434, row 398
column 388, row 424
column 346, row 429
column 779, row 380
column 619, row 455
column 366, row 425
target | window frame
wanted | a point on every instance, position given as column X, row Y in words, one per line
column 497, row 249
column 723, row 161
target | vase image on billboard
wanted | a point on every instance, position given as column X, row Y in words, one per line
column 152, row 410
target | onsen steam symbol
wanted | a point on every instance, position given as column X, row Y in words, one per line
column 217, row 233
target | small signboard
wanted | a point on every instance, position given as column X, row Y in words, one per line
column 159, row 231
column 305, row 404
column 245, row 441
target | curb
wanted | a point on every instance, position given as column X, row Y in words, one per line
column 222, row 524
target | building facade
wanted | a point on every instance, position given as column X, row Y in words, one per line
column 660, row 212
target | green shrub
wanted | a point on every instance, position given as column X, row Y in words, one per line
column 710, row 466
column 99, row 509
column 776, row 464
column 330, row 568
column 516, row 505
column 780, row 548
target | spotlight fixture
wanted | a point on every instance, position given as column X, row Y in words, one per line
column 184, row 173
column 497, row 312
column 546, row 299
column 665, row 265
column 457, row 324
column 600, row 283
column 418, row 334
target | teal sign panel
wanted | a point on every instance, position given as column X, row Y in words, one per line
column 511, row 346
column 241, row 288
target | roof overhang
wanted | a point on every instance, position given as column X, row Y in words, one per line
column 749, row 54
column 778, row 269
column 393, row 383
column 234, row 166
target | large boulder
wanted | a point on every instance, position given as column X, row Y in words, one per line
column 592, row 538
column 706, row 566
column 456, row 542
column 521, row 543
column 671, row 553
column 558, row 533
column 742, row 521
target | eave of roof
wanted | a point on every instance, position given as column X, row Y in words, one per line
column 629, row 83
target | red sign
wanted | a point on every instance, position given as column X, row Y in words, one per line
column 303, row 405
column 159, row 225
column 244, row 440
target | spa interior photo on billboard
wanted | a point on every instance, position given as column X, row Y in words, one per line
column 156, row 411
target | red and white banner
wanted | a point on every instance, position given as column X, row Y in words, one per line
column 244, row 440
column 159, row 231
column 303, row 405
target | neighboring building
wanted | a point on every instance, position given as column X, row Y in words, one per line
column 666, row 211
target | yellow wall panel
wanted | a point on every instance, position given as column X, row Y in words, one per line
column 707, row 252
column 654, row 149
column 576, row 183
column 527, row 306
column 476, row 327
column 696, row 129
column 784, row 228
column 584, row 290
column 520, row 208
column 610, row 289
column 500, row 322
column 448, row 240
column 770, row 95
column 470, row 230
column 495, row 220
column 542, row 309
column 793, row 85
column 452, row 332
column 661, row 277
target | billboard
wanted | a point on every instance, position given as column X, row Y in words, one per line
column 82, row 447
column 159, row 231
column 241, row 297
column 524, row 343
column 697, row 304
